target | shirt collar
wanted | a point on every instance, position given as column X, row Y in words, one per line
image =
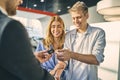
column 3, row 11
column 86, row 32
column 88, row 29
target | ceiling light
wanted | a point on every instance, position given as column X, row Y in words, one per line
column 68, row 7
column 112, row 18
column 108, row 7
column 59, row 10
column 35, row 5
column 41, row 0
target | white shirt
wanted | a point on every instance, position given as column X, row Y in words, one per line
column 91, row 42
column 83, row 68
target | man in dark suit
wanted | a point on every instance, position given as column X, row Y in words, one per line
column 17, row 61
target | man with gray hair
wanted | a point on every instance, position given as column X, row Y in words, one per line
column 83, row 47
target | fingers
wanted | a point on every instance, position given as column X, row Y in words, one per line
column 60, row 58
column 59, row 51
column 60, row 55
column 63, row 55
column 44, row 51
column 42, row 56
column 41, row 53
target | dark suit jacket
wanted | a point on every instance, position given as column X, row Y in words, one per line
column 17, row 61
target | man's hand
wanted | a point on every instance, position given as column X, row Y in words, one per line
column 63, row 54
column 42, row 56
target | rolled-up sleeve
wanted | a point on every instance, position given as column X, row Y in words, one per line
column 100, row 44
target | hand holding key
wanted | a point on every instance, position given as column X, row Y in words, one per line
column 42, row 56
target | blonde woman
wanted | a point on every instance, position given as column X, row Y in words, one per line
column 54, row 39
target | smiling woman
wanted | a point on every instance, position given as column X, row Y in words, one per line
column 55, row 36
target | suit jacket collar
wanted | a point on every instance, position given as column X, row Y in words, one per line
column 3, row 11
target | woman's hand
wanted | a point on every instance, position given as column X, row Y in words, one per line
column 59, row 68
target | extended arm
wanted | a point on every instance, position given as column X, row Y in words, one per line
column 90, row 58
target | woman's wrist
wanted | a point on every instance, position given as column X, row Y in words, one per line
column 52, row 72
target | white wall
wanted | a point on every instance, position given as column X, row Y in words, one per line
column 108, row 70
column 44, row 21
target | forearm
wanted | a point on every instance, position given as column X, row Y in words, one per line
column 58, row 73
column 86, row 58
column 58, row 68
column 52, row 72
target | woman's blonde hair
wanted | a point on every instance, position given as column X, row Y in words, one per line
column 49, row 39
